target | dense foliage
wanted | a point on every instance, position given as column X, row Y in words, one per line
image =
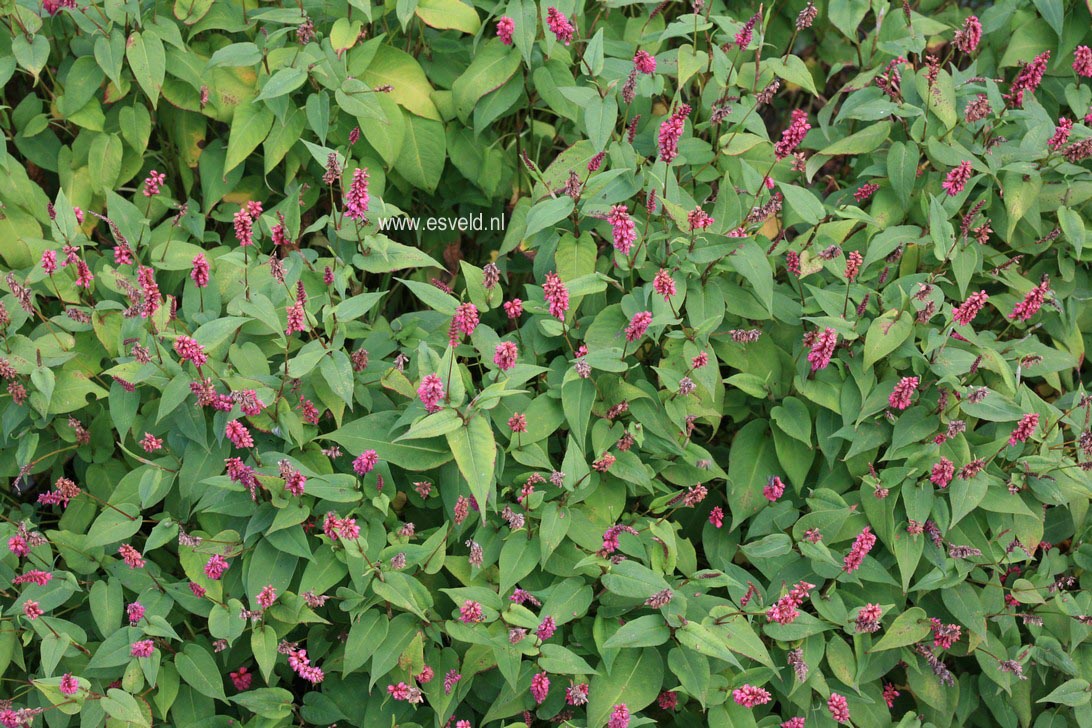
column 765, row 406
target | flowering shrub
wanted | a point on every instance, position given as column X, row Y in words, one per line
column 766, row 408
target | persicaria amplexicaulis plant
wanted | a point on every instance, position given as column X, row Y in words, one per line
column 476, row 365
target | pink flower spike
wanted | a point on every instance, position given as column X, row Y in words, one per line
column 505, row 27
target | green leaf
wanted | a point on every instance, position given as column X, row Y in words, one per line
column 491, row 68
column 424, row 152
column 374, row 433
column 633, row 580
column 191, row 11
column 263, row 643
column 148, row 61
column 965, row 605
column 284, row 81
column 909, row 627
column 647, row 631
column 794, row 419
column 902, row 167
column 600, row 117
column 114, row 525
column 249, row 127
column 365, row 636
column 475, row 452
column 1073, row 227
column 751, row 462
column 122, row 706
column 750, row 262
column 885, row 334
column 563, row 661
column 577, row 398
column 198, row 668
column 449, row 14
column 966, row 495
column 548, row 212
column 863, row 142
column 434, row 425
column 1074, row 693
column 635, row 678
column 273, row 703
column 792, row 69
column 411, row 88
column 518, row 558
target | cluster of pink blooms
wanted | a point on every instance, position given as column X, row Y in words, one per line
column 746, row 33
column 241, row 679
column 540, row 687
column 135, row 612
column 546, row 628
column 244, row 227
column 505, row 355
column 610, row 537
column 773, row 489
column 793, row 135
column 1032, row 302
column 513, row 309
column 216, row 566
column 559, row 25
column 1028, row 79
column 638, row 325
column 153, row 182
column 902, row 395
column 142, row 648
column 1024, row 429
column 698, row 219
column 838, row 707
column 357, row 198
column 365, row 462
column 556, row 295
column 822, row 348
column 861, row 546
column 968, row 37
column 200, row 271
column 664, row 284
column 786, row 609
column 716, row 517
column 1082, row 61
column 69, row 685
column 944, row 635
column 301, row 664
column 32, row 609
column 889, row 694
column 751, row 695
column 189, row 350
column 336, row 528
column 238, row 434
column 853, row 265
column 295, row 482
column 956, row 179
column 34, row 576
column 868, row 618
column 471, row 612
column 622, row 229
column 942, row 472
column 505, row 27
column 405, row 693
column 131, row 556
column 431, row 392
column 670, row 132
column 1061, row 134
column 964, row 313
column 644, row 62
column 577, row 694
column 619, row 717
